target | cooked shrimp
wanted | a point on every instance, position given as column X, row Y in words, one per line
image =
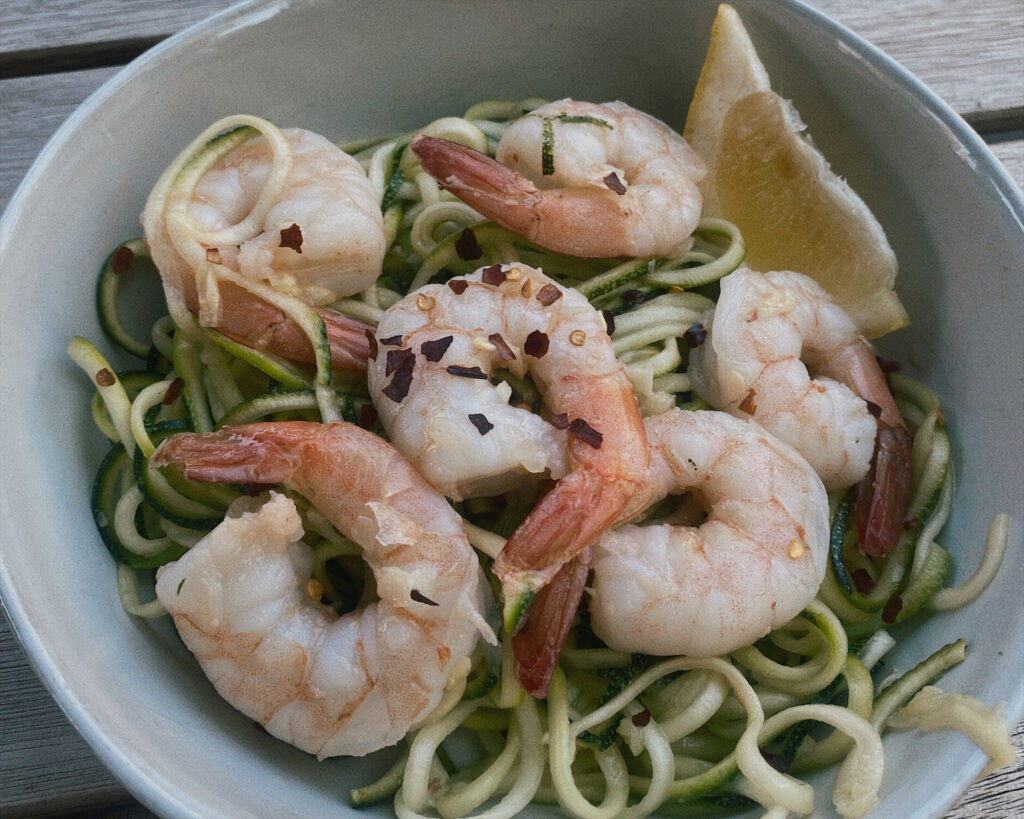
column 766, row 336
column 590, row 180
column 749, row 567
column 239, row 598
column 288, row 210
column 430, row 381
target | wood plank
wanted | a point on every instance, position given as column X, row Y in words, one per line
column 977, row 39
column 49, row 24
column 31, row 109
column 33, row 728
column 970, row 53
column 1010, row 152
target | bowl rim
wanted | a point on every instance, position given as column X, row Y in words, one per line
column 254, row 12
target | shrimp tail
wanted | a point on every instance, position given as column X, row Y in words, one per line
column 249, row 320
column 538, row 643
column 250, row 453
column 881, row 497
column 567, row 520
column 559, row 219
column 349, row 340
column 483, row 183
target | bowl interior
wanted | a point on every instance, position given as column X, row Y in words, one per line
column 360, row 68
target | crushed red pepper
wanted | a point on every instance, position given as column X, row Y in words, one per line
column 466, row 372
column 291, row 237
column 105, row 378
column 615, row 184
column 458, row 286
column 435, row 349
column 370, row 337
column 559, row 420
column 122, row 260
column 536, row 344
column 549, row 294
column 504, row 351
column 586, row 433
column 367, row 416
column 467, row 247
column 863, row 581
column 173, row 391
column 420, row 597
column 893, row 606
column 695, row 335
column 400, row 363
column 493, row 275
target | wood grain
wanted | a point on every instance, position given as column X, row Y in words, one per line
column 970, row 53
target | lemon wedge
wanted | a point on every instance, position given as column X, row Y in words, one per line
column 766, row 177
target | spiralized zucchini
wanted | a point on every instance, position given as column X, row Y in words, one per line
column 618, row 735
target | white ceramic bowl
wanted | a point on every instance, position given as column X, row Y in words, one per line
column 366, row 66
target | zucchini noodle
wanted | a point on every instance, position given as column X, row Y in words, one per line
column 618, row 735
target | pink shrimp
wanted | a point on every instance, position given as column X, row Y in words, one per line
column 327, row 684
column 780, row 351
column 247, row 213
column 430, row 382
column 580, row 178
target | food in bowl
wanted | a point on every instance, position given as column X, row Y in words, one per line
column 614, row 353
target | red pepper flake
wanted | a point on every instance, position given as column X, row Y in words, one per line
column 122, row 260
column 434, row 349
column 467, row 247
column 559, row 421
column 397, row 359
column 504, row 351
column 609, row 321
column 863, row 581
column 748, row 404
column 367, row 416
column 467, row 372
column 873, row 409
column 615, row 184
column 479, row 420
column 493, row 275
column 420, row 597
column 370, row 337
column 586, row 433
column 893, row 606
column 399, row 362
column 549, row 294
column 911, row 524
column 392, row 341
column 695, row 335
column 292, row 237
column 641, row 718
column 173, row 391
column 458, row 286
column 536, row 344
column 105, row 378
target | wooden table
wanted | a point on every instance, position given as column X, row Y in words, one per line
column 54, row 54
